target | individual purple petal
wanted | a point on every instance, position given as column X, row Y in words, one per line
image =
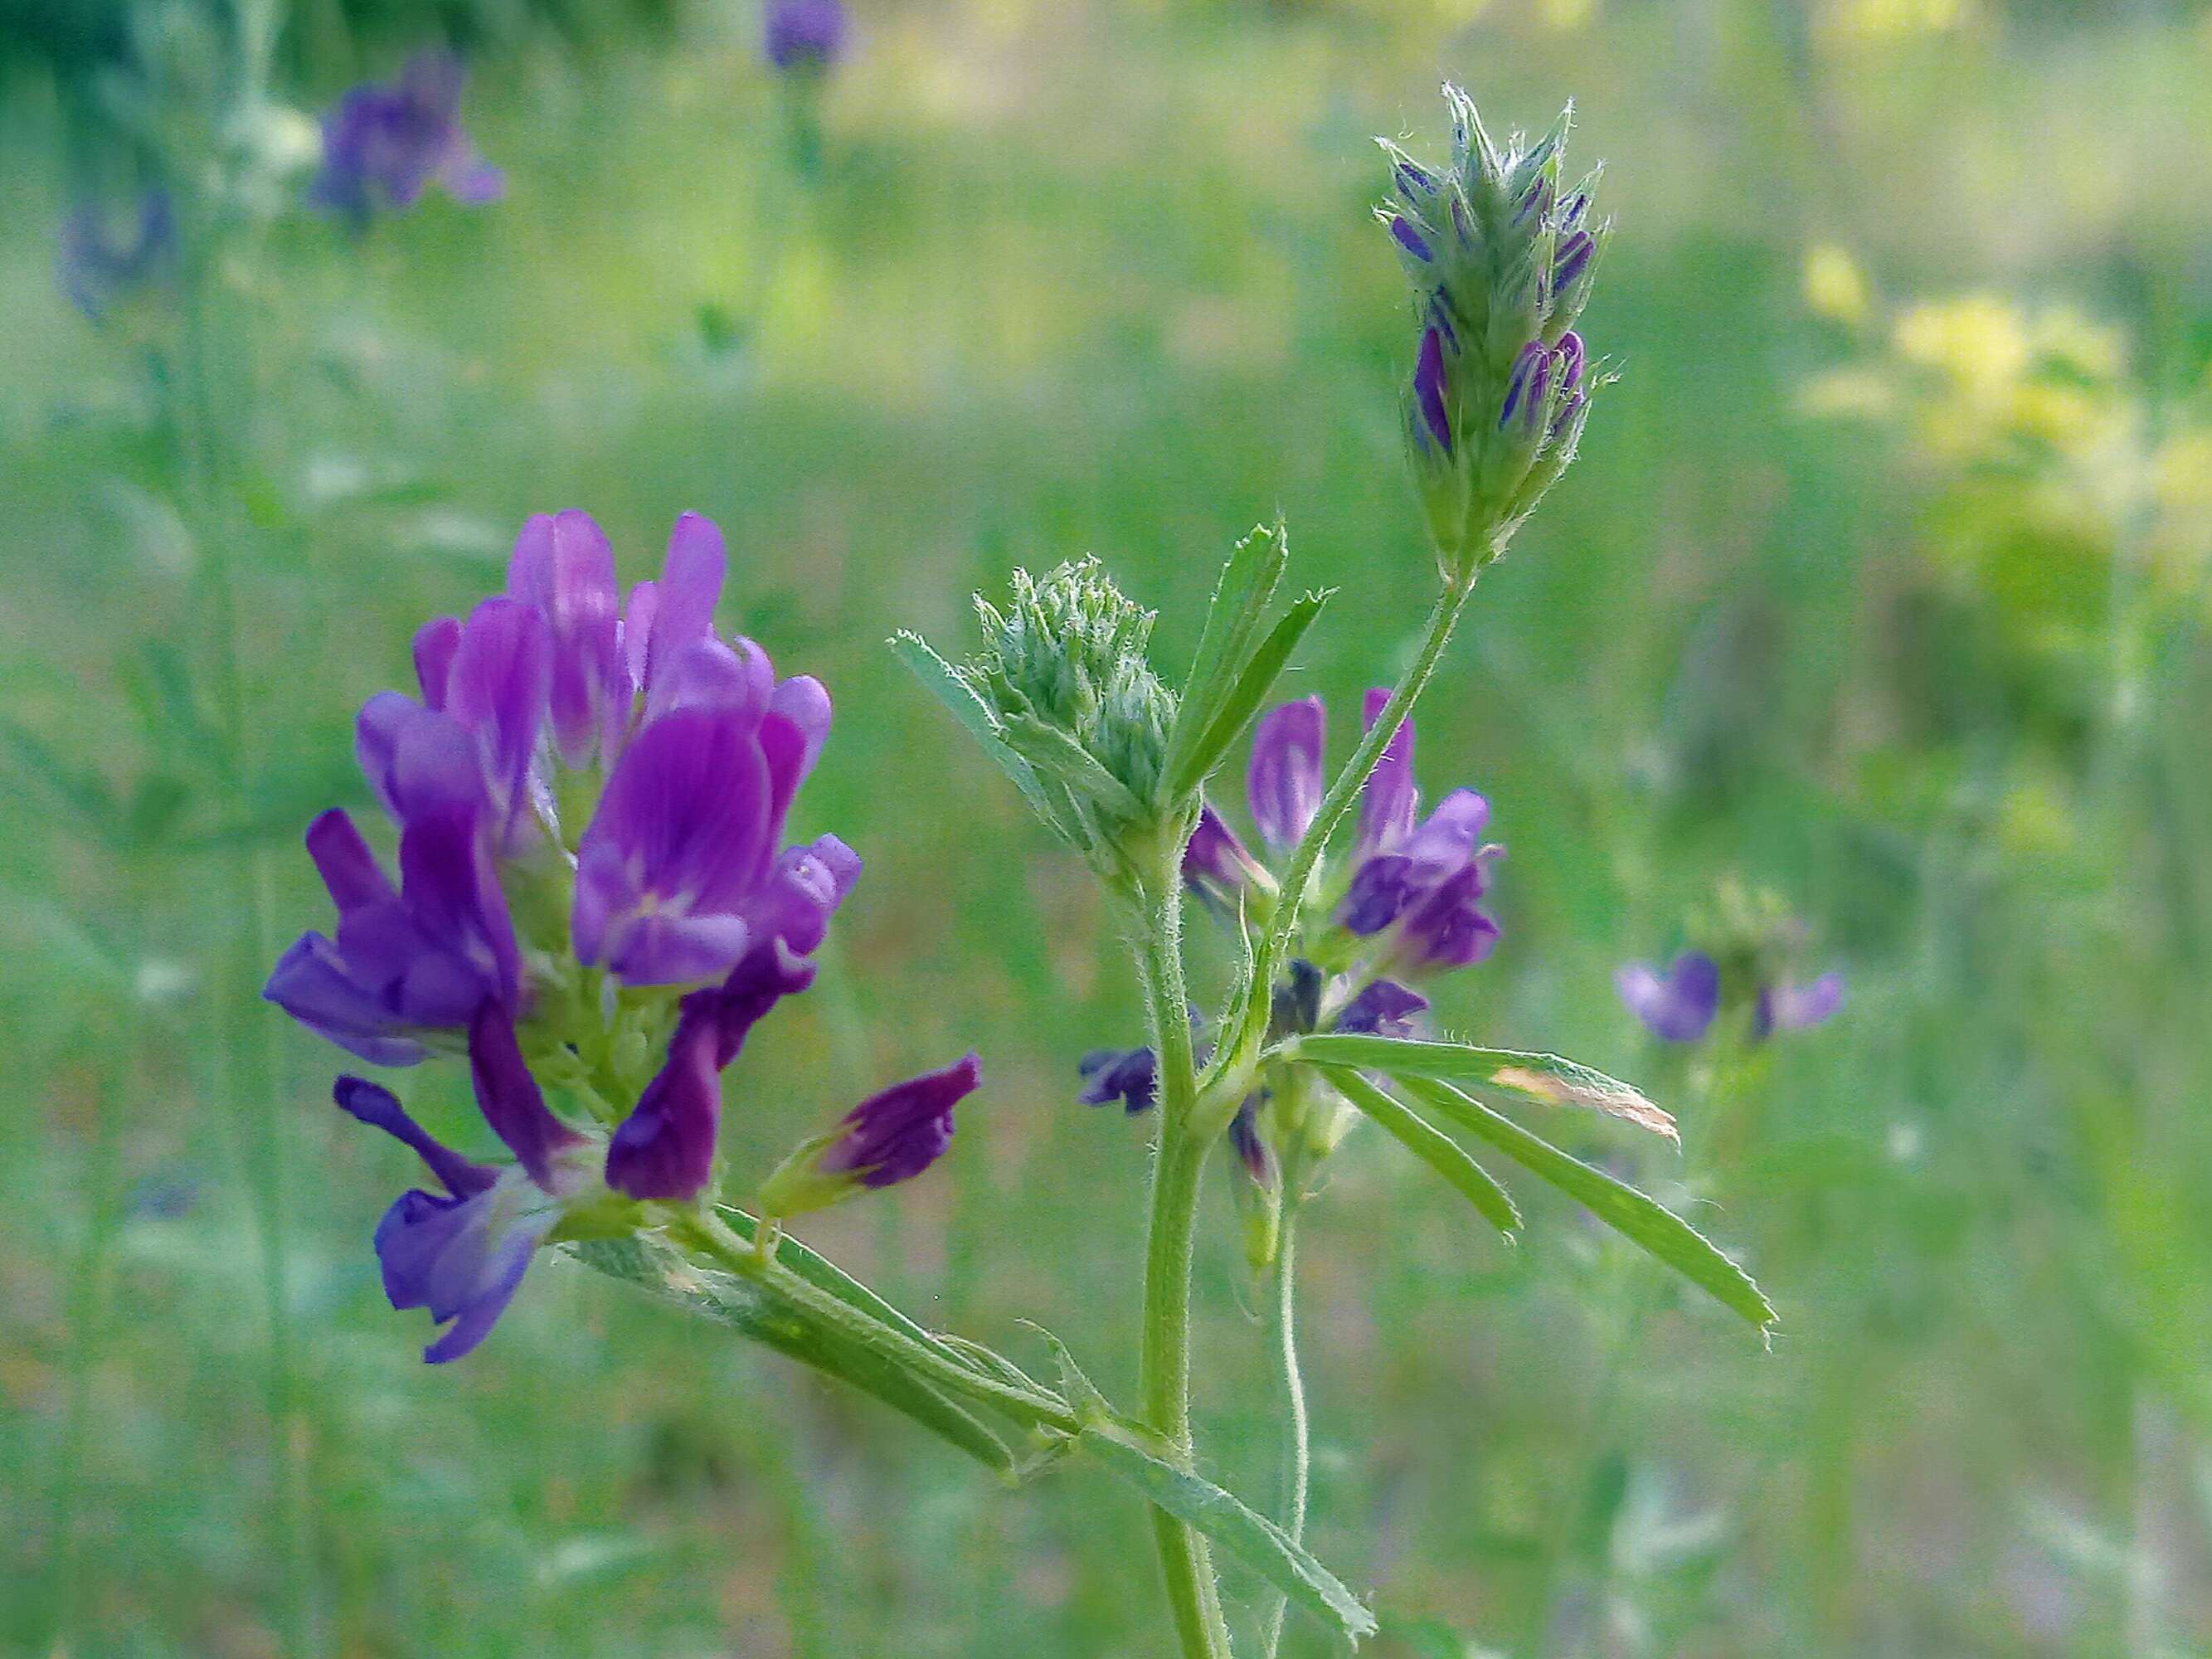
column 665, row 1148
column 766, row 975
column 1381, row 890
column 682, row 836
column 1445, row 840
column 705, row 673
column 1795, row 1007
column 1382, row 1008
column 509, row 1098
column 435, row 641
column 1402, row 231
column 379, row 1109
column 1568, row 355
column 452, row 894
column 1678, row 1006
column 1284, row 782
column 804, row 702
column 1572, row 259
column 501, row 678
column 1449, row 928
column 1429, row 389
column 348, row 869
column 638, row 612
column 1128, row 1075
column 564, row 565
column 416, row 761
column 463, row 1259
column 803, row 891
column 896, row 1134
column 311, row 982
column 1388, row 803
column 690, row 586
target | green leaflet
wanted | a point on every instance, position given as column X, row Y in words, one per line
column 752, row 1310
column 1433, row 1146
column 944, row 681
column 1637, row 1216
column 1242, row 700
column 1545, row 1077
column 1241, row 597
column 1134, row 1454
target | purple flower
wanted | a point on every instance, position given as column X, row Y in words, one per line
column 1382, row 1008
column 1789, row 1007
column 462, row 1253
column 894, row 1135
column 96, row 267
column 1128, row 1075
column 384, row 144
column 1678, row 1006
column 1283, row 784
column 1215, row 865
column 805, row 35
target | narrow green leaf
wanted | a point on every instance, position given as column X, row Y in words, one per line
column 1545, row 1077
column 1433, row 1146
column 945, row 683
column 1122, row 1450
column 1242, row 700
column 754, row 1311
column 1248, row 583
column 1635, row 1216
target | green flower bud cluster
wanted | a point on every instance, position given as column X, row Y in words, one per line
column 1501, row 257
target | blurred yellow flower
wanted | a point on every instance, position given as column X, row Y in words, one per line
column 1835, row 287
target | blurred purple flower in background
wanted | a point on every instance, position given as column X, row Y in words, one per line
column 805, row 36
column 1681, row 1004
column 590, row 798
column 98, row 264
column 385, row 143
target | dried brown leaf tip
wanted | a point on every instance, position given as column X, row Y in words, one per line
column 1593, row 1090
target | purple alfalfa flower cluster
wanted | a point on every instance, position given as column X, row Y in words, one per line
column 805, row 37
column 1407, row 905
column 1501, row 252
column 596, row 904
column 386, row 143
column 1739, row 973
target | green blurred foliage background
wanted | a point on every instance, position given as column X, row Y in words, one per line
column 1882, row 583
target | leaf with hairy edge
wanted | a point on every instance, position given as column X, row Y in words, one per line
column 1635, row 1216
column 1248, row 583
column 943, row 682
column 1433, row 1146
column 1545, row 1077
column 1254, row 680
column 753, row 1311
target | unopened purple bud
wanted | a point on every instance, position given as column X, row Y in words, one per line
column 1382, row 1008
column 1410, row 240
column 895, row 1135
column 1570, row 411
column 1245, row 1135
column 1536, row 199
column 1462, row 227
column 1128, row 1075
column 1571, row 259
column 1215, row 865
column 1571, row 215
column 1416, row 179
column 1568, row 355
column 1526, row 391
column 1429, row 389
column 1283, row 784
column 1296, row 1008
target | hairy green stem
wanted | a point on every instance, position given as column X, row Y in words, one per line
column 1186, row 1564
column 1296, row 1457
column 1436, row 632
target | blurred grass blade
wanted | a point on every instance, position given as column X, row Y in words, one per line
column 1635, row 1216
column 1243, row 700
column 1248, row 584
column 1545, row 1077
column 1433, row 1146
column 754, row 1311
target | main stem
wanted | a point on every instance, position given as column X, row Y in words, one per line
column 1164, row 1362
